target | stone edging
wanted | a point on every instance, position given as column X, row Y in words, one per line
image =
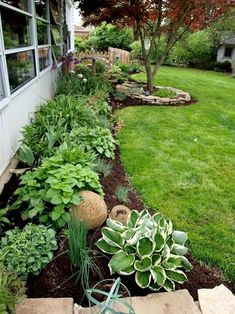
column 128, row 88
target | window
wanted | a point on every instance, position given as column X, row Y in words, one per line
column 44, row 58
column 16, row 30
column 21, row 68
column 42, row 33
column 56, row 31
column 2, row 94
column 19, row 4
column 228, row 52
column 41, row 9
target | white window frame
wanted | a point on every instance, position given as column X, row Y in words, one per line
column 31, row 13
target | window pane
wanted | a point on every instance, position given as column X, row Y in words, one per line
column 44, row 58
column 55, row 11
column 21, row 68
column 56, row 53
column 16, row 31
column 56, row 34
column 41, row 9
column 42, row 32
column 20, row 4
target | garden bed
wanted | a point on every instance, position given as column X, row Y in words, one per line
column 54, row 280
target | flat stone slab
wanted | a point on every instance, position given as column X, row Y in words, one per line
column 178, row 302
column 219, row 300
column 46, row 306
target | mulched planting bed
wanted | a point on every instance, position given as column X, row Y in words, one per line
column 58, row 279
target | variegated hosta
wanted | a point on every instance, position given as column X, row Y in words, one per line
column 147, row 246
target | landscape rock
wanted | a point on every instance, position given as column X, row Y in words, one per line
column 177, row 302
column 219, row 300
column 120, row 213
column 92, row 210
column 46, row 306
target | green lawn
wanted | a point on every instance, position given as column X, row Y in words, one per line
column 182, row 161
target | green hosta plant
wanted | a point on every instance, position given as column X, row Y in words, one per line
column 28, row 250
column 149, row 247
column 48, row 192
column 12, row 291
column 97, row 139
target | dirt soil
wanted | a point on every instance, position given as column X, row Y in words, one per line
column 58, row 279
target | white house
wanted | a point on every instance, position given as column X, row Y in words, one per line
column 34, row 34
column 226, row 51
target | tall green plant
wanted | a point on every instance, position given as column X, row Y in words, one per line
column 81, row 256
column 148, row 247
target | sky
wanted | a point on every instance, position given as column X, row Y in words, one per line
column 77, row 18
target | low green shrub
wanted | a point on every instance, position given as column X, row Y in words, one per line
column 28, row 250
column 97, row 139
column 46, row 193
column 119, row 96
column 164, row 93
column 12, row 291
column 100, row 66
column 117, row 74
column 130, row 68
column 148, row 247
column 3, row 219
column 225, row 66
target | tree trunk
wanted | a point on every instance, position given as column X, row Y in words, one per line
column 149, row 76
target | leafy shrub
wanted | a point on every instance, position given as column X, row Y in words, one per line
column 136, row 50
column 49, row 191
column 52, row 121
column 81, row 255
column 84, row 70
column 102, row 167
column 225, row 66
column 121, row 193
column 97, row 139
column 12, row 291
column 164, row 93
column 100, row 66
column 28, row 250
column 130, row 68
column 117, row 74
column 147, row 246
column 25, row 155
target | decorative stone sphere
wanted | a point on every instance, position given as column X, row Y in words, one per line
column 92, row 209
column 120, row 213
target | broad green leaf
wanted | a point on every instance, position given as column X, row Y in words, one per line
column 76, row 199
column 56, row 199
column 112, row 237
column 135, row 238
column 143, row 279
column 178, row 261
column 159, row 241
column 176, row 275
column 128, row 271
column 106, row 248
column 179, row 249
column 115, row 225
column 158, row 275
column 145, row 246
column 121, row 261
column 154, row 286
column 156, row 259
column 166, row 252
column 179, row 237
column 144, row 264
column 157, row 217
column 132, row 219
column 128, row 234
column 169, row 285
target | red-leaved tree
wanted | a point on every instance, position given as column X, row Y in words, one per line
column 154, row 20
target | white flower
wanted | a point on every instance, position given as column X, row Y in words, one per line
column 80, row 75
column 72, row 71
column 84, row 80
column 195, row 140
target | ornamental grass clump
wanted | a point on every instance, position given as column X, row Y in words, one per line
column 148, row 247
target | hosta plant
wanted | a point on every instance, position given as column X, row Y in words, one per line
column 28, row 250
column 12, row 291
column 148, row 247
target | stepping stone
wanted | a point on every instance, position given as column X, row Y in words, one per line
column 219, row 300
column 178, row 302
column 46, row 306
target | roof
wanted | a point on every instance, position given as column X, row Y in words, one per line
column 229, row 40
column 81, row 29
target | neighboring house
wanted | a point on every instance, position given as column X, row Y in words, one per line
column 226, row 51
column 80, row 31
column 34, row 34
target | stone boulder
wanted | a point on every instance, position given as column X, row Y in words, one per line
column 120, row 213
column 92, row 209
